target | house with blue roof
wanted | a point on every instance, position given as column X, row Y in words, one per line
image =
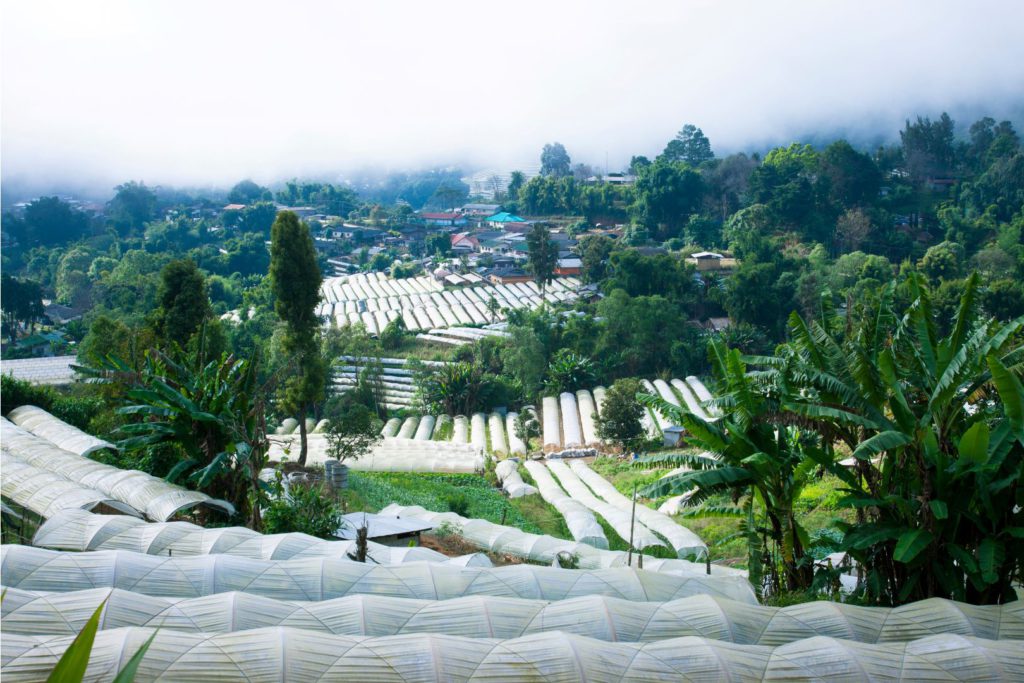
column 499, row 219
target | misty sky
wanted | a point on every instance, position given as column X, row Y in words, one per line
column 191, row 92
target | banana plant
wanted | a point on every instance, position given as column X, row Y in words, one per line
column 747, row 453
column 935, row 426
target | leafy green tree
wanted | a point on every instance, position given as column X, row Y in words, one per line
column 247, row 255
column 515, row 183
column 542, row 253
column 452, row 389
column 132, row 207
column 184, row 302
column 928, row 147
column 50, row 221
column 555, row 161
column 306, row 509
column 594, row 252
column 257, row 218
column 942, row 261
column 247, row 192
column 525, row 358
column 352, row 432
column 853, row 178
column 619, row 421
column 689, row 145
column 21, row 301
column 295, row 278
column 665, row 195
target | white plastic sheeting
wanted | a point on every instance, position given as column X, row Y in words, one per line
column 588, row 411
column 496, row 428
column 512, row 482
column 692, row 404
column 516, row 445
column 323, row 578
column 581, row 522
column 425, row 428
column 616, row 518
column 478, row 431
column 683, row 541
column 659, row 421
column 551, row 424
column 460, row 429
column 391, row 427
column 296, row 655
column 509, row 540
column 391, row 455
column 599, row 395
column 56, row 431
column 47, row 494
column 152, row 496
column 408, row 429
column 572, row 437
column 441, row 427
column 83, row 531
column 593, row 616
column 701, row 392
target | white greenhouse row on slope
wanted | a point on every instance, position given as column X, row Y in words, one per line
column 423, row 304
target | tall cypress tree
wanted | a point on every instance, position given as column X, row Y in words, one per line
column 295, row 278
column 184, row 303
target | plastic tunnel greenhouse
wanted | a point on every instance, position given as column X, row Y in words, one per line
column 46, row 493
column 157, row 499
column 512, row 482
column 541, row 548
column 82, row 531
column 683, row 541
column 56, row 431
column 322, row 578
column 594, row 616
column 297, row 656
column 581, row 522
column 618, row 519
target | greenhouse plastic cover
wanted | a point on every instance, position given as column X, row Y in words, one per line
column 56, row 431
column 580, row 521
column 516, row 445
column 619, row 520
column 683, row 541
column 540, row 548
column 81, row 531
column 46, row 493
column 390, row 454
column 323, row 578
column 151, row 495
column 594, row 616
column 287, row 654
column 512, row 482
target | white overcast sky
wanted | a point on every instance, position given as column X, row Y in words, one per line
column 186, row 91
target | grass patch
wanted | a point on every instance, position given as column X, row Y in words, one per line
column 469, row 495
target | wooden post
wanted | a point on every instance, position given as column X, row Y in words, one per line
column 632, row 518
column 361, row 544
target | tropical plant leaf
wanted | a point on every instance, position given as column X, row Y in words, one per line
column 991, row 554
column 131, row 667
column 73, row 663
column 911, row 544
column 881, row 442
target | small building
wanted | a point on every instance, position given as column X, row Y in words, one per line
column 507, row 276
column 569, row 266
column 463, row 243
column 300, row 211
column 481, row 209
column 499, row 220
column 233, row 207
column 392, row 531
column 706, row 260
column 444, row 219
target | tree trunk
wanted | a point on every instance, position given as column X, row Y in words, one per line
column 302, row 439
